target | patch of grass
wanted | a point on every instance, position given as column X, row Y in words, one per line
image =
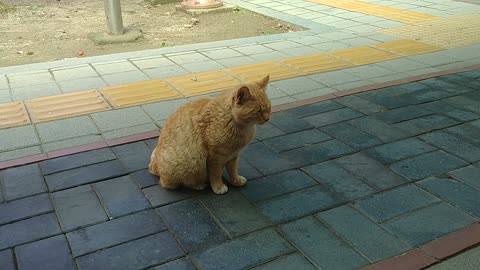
column 4, row 8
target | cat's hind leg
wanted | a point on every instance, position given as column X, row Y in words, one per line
column 168, row 184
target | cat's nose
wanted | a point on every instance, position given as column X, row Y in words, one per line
column 266, row 118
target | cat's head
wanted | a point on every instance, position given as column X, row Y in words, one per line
column 251, row 104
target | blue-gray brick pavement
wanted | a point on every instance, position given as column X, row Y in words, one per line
column 338, row 184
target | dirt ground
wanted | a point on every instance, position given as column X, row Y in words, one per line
column 46, row 30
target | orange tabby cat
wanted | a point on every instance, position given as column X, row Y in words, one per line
column 206, row 135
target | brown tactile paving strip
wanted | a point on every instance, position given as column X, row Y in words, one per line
column 66, row 105
column 315, row 63
column 255, row 72
column 363, row 55
column 406, row 47
column 138, row 93
column 203, row 83
column 450, row 32
column 399, row 15
column 13, row 114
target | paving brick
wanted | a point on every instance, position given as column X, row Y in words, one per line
column 151, row 62
column 76, row 160
column 474, row 74
column 297, row 85
column 28, row 230
column 165, row 72
column 202, row 66
column 22, row 181
column 402, row 114
column 6, row 260
column 114, row 67
column 236, row 214
column 34, row 91
column 453, row 145
column 460, row 80
column 444, row 108
column 339, row 180
column 152, row 143
column 276, row 184
column 428, row 223
column 187, row 58
column 370, row 171
column 221, row 53
column 469, row 175
column 466, row 131
column 124, row 77
column 246, row 170
column 180, row 264
column 426, row 123
column 367, row 236
column 390, row 101
column 455, row 192
column 314, row 108
column 252, row 49
column 77, row 72
column 321, row 245
column 379, row 129
column 429, row 95
column 148, row 251
column 351, row 135
column 288, row 262
column 66, row 128
column 467, row 101
column 120, row 196
column 398, row 150
column 144, row 178
column 359, row 104
column 427, row 164
column 289, row 122
column 84, row 175
column 244, row 252
column 268, row 130
column 78, row 207
column 318, row 152
column 159, row 196
column 298, row 204
column 24, row 208
column 393, row 203
column 266, row 160
column 51, row 253
column 107, row 121
column 333, row 117
column 114, row 232
column 81, row 84
column 193, row 227
column 133, row 156
column 296, row 140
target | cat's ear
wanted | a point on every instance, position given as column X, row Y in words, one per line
column 243, row 95
column 263, row 82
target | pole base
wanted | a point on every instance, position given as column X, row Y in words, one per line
column 107, row 38
column 196, row 4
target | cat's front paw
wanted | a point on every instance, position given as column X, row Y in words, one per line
column 240, row 181
column 221, row 190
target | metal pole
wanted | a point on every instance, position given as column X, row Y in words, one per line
column 113, row 11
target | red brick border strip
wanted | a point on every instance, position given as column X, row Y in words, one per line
column 153, row 134
column 432, row 252
column 453, row 243
column 410, row 260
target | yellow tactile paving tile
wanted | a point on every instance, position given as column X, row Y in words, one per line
column 257, row 71
column 406, row 47
column 450, row 32
column 13, row 114
column 390, row 13
column 363, row 55
column 138, row 93
column 203, row 83
column 66, row 105
column 315, row 63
